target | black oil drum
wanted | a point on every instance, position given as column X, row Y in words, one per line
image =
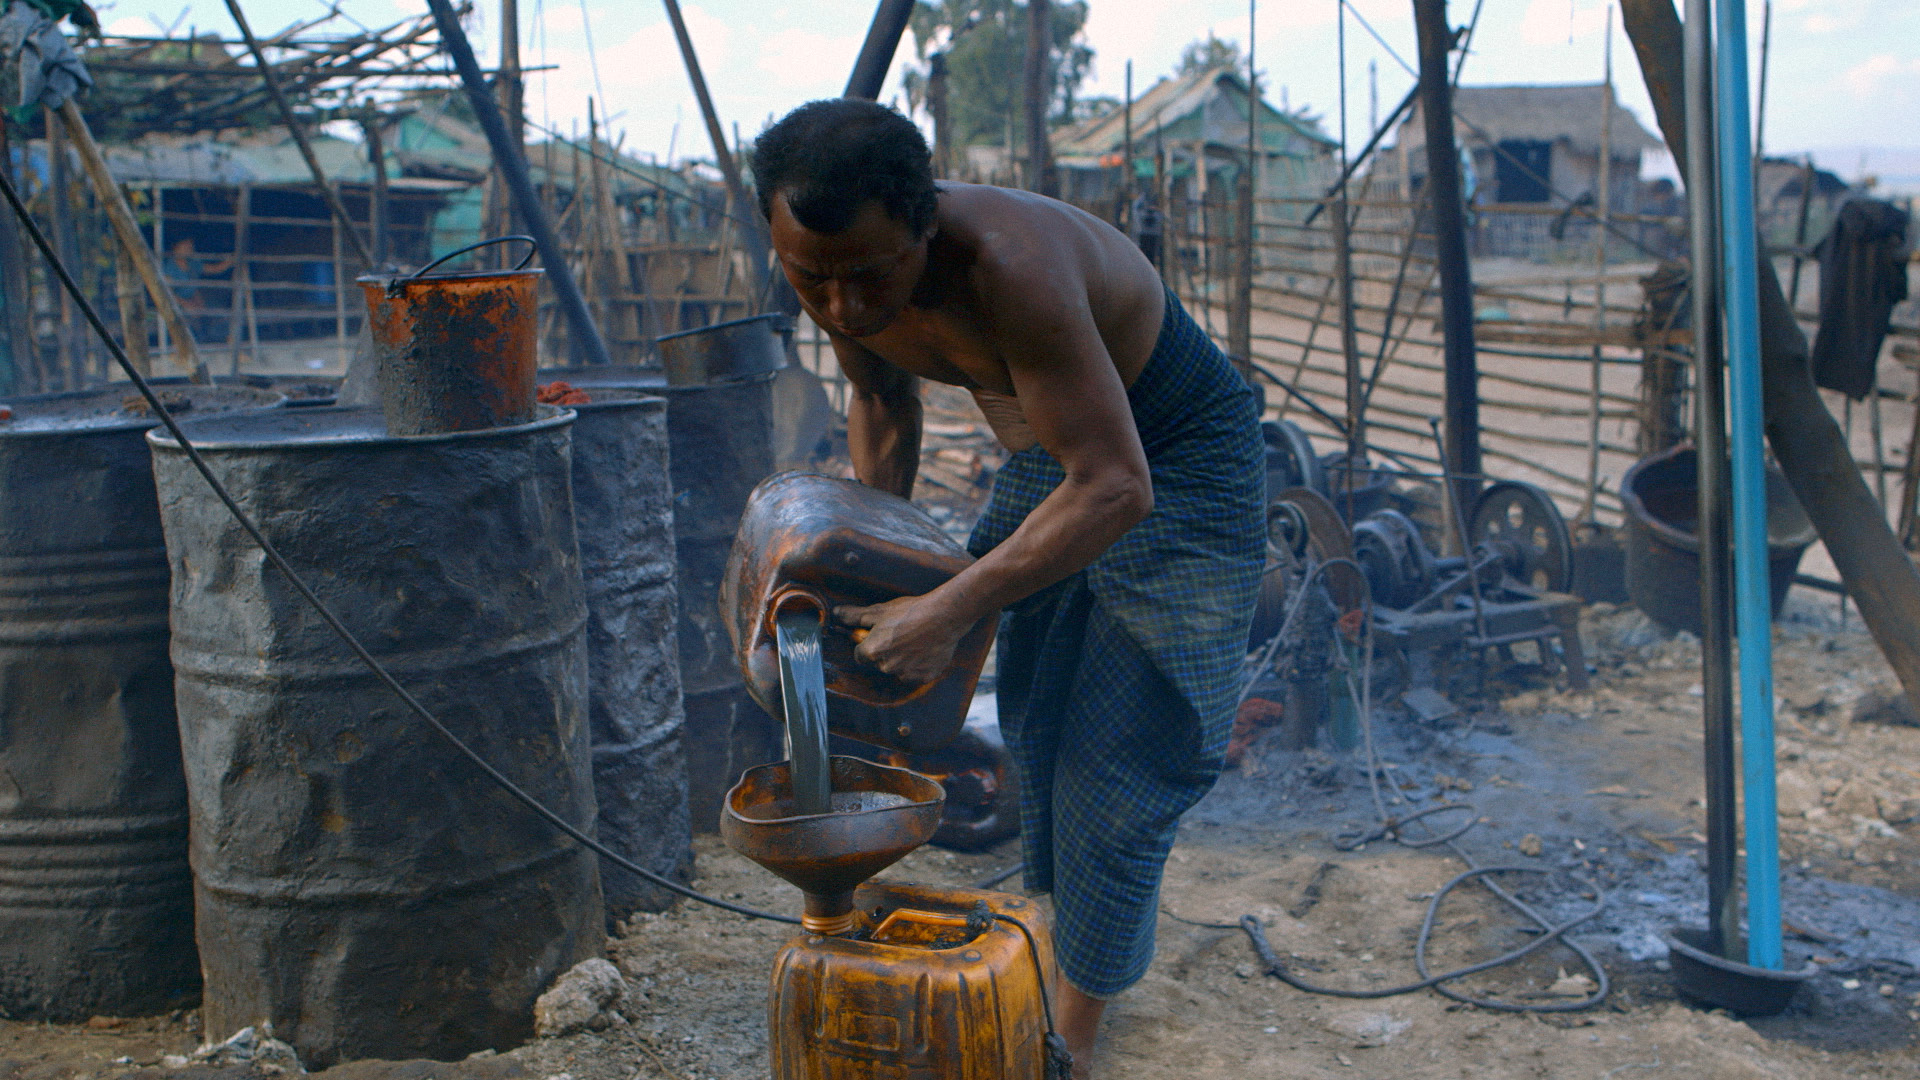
column 722, row 446
column 96, row 911
column 357, row 883
column 624, row 510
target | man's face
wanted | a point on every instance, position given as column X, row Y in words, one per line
column 855, row 281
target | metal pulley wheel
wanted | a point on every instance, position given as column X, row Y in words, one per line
column 1521, row 523
column 1303, row 526
column 1398, row 566
column 1287, row 528
column 1291, row 461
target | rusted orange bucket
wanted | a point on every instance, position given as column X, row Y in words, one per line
column 454, row 352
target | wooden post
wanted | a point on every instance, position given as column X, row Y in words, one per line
column 240, row 291
column 133, row 311
column 1126, row 161
column 1240, row 303
column 1038, row 89
column 120, row 216
column 377, row 214
column 755, row 237
column 60, row 217
column 1604, row 196
column 937, row 110
column 1450, row 249
column 342, row 351
column 1663, row 375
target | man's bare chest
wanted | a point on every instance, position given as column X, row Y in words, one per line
column 945, row 348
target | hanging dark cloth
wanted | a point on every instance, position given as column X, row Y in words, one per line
column 1863, row 274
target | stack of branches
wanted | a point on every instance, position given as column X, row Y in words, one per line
column 206, row 83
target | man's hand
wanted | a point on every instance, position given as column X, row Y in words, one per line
column 911, row 638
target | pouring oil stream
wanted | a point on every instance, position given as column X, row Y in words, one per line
column 803, row 697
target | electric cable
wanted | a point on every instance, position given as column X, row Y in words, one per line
column 320, row 607
column 990, row 882
column 1390, row 827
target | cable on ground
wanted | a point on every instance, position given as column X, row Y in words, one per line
column 1390, row 827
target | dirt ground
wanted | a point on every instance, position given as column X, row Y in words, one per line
column 1605, row 785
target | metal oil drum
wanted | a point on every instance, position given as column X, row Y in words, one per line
column 623, row 509
column 95, row 896
column 357, row 883
column 923, row 991
column 819, row 542
column 721, row 440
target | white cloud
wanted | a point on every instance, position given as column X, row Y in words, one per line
column 1866, row 78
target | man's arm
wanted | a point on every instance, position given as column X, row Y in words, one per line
column 1077, row 407
column 883, row 418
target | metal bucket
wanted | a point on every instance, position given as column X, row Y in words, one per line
column 1663, row 550
column 357, row 883
column 721, row 447
column 726, row 352
column 623, row 507
column 454, row 352
column 96, row 909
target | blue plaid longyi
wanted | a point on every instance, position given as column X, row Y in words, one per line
column 1117, row 685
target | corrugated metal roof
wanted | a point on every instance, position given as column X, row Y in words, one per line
column 231, row 158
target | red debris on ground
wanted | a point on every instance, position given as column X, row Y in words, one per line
column 560, row 393
column 1255, row 716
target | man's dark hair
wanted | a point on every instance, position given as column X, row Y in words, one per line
column 831, row 157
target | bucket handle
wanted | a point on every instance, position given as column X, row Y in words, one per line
column 532, row 250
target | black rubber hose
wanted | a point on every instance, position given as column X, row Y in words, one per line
column 326, row 614
column 1257, row 934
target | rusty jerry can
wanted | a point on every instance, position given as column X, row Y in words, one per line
column 817, row 542
column 886, row 980
column 929, row 988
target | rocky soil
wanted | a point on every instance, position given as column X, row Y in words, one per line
column 1601, row 788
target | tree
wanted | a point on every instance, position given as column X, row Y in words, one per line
column 985, row 42
column 1210, row 53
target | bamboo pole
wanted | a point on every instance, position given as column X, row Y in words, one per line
column 120, row 216
column 236, row 297
column 60, row 217
column 1605, row 200
column 133, row 312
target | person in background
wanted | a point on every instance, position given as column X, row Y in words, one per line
column 188, row 272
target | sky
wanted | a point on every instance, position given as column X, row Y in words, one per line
column 1844, row 76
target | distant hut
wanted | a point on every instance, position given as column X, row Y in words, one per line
column 1535, row 151
column 1198, row 122
column 1189, row 150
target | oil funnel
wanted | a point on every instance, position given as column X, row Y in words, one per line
column 879, row 815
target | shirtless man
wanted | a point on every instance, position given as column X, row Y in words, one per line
column 1124, row 537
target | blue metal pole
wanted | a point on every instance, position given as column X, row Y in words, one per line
column 1753, row 610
